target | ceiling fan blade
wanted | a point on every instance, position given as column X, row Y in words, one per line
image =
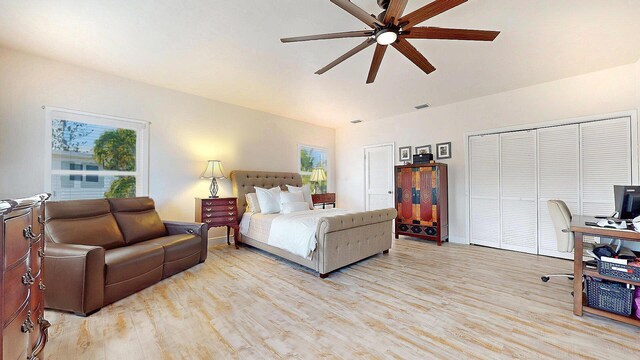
column 375, row 63
column 427, row 12
column 339, row 35
column 414, row 55
column 395, row 10
column 450, row 34
column 347, row 55
column 356, row 11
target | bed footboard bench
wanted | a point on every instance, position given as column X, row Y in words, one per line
column 346, row 239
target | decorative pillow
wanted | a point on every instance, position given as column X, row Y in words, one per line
column 252, row 202
column 306, row 192
column 268, row 200
column 294, row 206
column 288, row 197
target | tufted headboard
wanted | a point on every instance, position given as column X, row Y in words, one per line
column 244, row 181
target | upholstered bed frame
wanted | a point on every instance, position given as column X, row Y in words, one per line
column 342, row 239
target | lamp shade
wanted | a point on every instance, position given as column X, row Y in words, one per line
column 318, row 174
column 214, row 170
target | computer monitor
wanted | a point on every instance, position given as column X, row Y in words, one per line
column 627, row 201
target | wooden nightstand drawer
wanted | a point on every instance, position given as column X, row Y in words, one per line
column 219, row 202
column 216, row 208
column 218, row 214
column 230, row 220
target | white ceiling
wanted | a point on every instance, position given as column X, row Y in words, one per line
column 230, row 50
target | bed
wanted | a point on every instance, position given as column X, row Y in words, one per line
column 342, row 238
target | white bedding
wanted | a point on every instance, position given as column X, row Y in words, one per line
column 294, row 232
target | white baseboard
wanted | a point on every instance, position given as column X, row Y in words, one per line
column 219, row 240
column 458, row 240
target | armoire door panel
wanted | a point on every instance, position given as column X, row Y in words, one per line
column 426, row 194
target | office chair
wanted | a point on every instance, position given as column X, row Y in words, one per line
column 561, row 217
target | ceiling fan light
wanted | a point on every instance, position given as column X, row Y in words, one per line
column 386, row 37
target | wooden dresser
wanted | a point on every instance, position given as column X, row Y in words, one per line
column 422, row 201
column 218, row 212
column 24, row 328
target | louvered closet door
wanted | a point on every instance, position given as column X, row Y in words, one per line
column 605, row 151
column 484, row 162
column 558, row 179
column 519, row 191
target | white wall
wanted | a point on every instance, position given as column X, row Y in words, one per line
column 607, row 91
column 186, row 130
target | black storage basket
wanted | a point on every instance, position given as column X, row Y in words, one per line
column 625, row 272
column 609, row 296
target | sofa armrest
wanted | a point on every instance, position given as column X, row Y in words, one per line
column 178, row 227
column 74, row 277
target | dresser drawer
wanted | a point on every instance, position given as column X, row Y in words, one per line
column 17, row 283
column 216, row 208
column 16, row 244
column 228, row 220
column 16, row 336
column 218, row 214
column 218, row 202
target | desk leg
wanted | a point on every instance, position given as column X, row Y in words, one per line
column 577, row 274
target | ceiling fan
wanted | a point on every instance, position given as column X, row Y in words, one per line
column 390, row 27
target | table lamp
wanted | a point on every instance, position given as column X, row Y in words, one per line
column 318, row 174
column 213, row 171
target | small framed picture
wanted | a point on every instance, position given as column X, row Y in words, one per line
column 405, row 153
column 443, row 151
column 424, row 149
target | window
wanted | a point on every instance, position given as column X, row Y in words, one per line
column 91, row 156
column 312, row 165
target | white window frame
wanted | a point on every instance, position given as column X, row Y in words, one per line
column 300, row 146
column 141, row 127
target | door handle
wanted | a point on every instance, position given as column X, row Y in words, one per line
column 390, row 192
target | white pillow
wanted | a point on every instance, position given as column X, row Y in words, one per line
column 268, row 200
column 294, row 206
column 306, row 192
column 252, row 202
column 288, row 197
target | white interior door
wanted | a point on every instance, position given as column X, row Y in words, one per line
column 379, row 176
column 484, row 167
column 558, row 179
column 518, row 179
column 605, row 151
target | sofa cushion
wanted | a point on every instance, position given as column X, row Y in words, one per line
column 177, row 246
column 129, row 262
column 137, row 219
column 82, row 222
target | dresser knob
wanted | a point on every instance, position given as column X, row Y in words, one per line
column 41, row 252
column 42, row 286
column 230, row 207
column 208, row 209
column 230, row 202
column 28, row 279
column 230, row 219
column 230, row 213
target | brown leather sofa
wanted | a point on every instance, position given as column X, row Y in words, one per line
column 100, row 251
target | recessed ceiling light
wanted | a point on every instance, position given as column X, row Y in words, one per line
column 356, row 121
column 423, row 106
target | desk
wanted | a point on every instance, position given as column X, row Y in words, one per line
column 579, row 229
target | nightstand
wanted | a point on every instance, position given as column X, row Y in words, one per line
column 218, row 212
column 324, row 199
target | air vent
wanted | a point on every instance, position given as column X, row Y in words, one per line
column 356, row 121
column 423, row 106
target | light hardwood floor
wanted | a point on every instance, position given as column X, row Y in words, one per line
column 418, row 302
